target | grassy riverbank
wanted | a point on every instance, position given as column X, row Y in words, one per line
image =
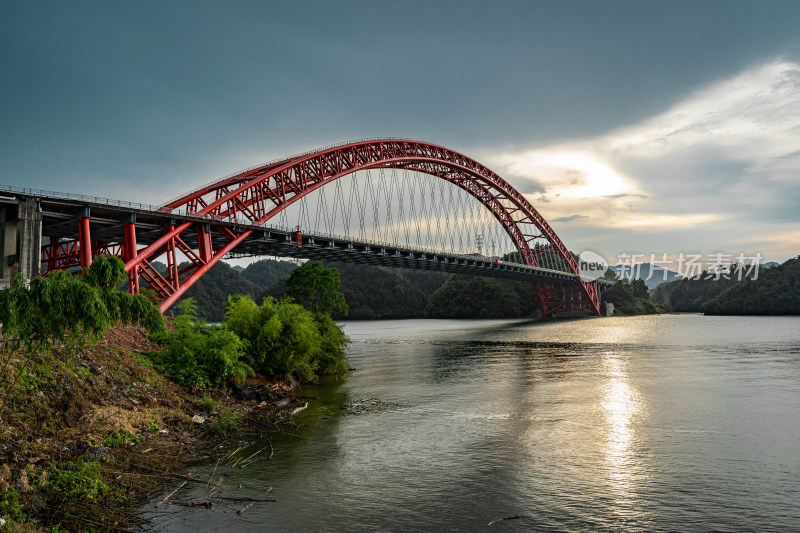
column 87, row 436
column 95, row 417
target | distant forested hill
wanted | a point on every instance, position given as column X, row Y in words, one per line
column 267, row 272
column 380, row 293
column 373, row 292
column 652, row 275
column 478, row 297
column 689, row 295
column 377, row 292
column 211, row 291
column 775, row 292
column 384, row 293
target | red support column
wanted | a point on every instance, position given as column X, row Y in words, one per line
column 172, row 259
column 55, row 253
column 544, row 291
column 204, row 242
column 130, row 252
column 85, row 238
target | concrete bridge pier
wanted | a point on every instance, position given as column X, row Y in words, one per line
column 20, row 238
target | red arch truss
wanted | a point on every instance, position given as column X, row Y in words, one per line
column 258, row 194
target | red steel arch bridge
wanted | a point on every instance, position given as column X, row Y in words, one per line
column 391, row 202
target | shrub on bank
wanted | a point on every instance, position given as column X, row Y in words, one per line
column 196, row 355
column 277, row 338
column 331, row 359
column 226, row 423
column 282, row 338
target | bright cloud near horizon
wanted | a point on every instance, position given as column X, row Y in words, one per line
column 719, row 168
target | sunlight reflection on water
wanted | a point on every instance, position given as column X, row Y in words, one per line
column 621, row 404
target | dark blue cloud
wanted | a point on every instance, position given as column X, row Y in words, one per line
column 97, row 95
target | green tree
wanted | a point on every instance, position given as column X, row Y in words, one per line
column 626, row 302
column 610, row 275
column 621, row 295
column 640, row 289
column 316, row 288
column 106, row 274
column 62, row 308
column 331, row 358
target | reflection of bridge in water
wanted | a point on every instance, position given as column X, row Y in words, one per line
column 385, row 202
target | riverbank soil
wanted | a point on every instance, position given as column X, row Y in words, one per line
column 87, row 435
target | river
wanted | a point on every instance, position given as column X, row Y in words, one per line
column 650, row 423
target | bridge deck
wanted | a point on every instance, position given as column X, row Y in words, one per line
column 61, row 213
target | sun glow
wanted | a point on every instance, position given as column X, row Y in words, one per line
column 653, row 222
column 570, row 174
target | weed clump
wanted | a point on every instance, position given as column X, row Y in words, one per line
column 10, row 505
column 75, row 481
column 208, row 403
column 227, row 421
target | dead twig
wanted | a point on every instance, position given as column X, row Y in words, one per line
column 216, row 486
column 161, row 475
column 171, row 493
column 101, row 524
column 212, row 473
column 245, row 463
column 257, row 423
column 241, row 499
column 236, row 450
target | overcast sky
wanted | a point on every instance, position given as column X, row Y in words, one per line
column 632, row 126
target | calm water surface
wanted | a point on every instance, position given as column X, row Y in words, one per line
column 653, row 423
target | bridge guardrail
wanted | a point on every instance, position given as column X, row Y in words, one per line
column 53, row 195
